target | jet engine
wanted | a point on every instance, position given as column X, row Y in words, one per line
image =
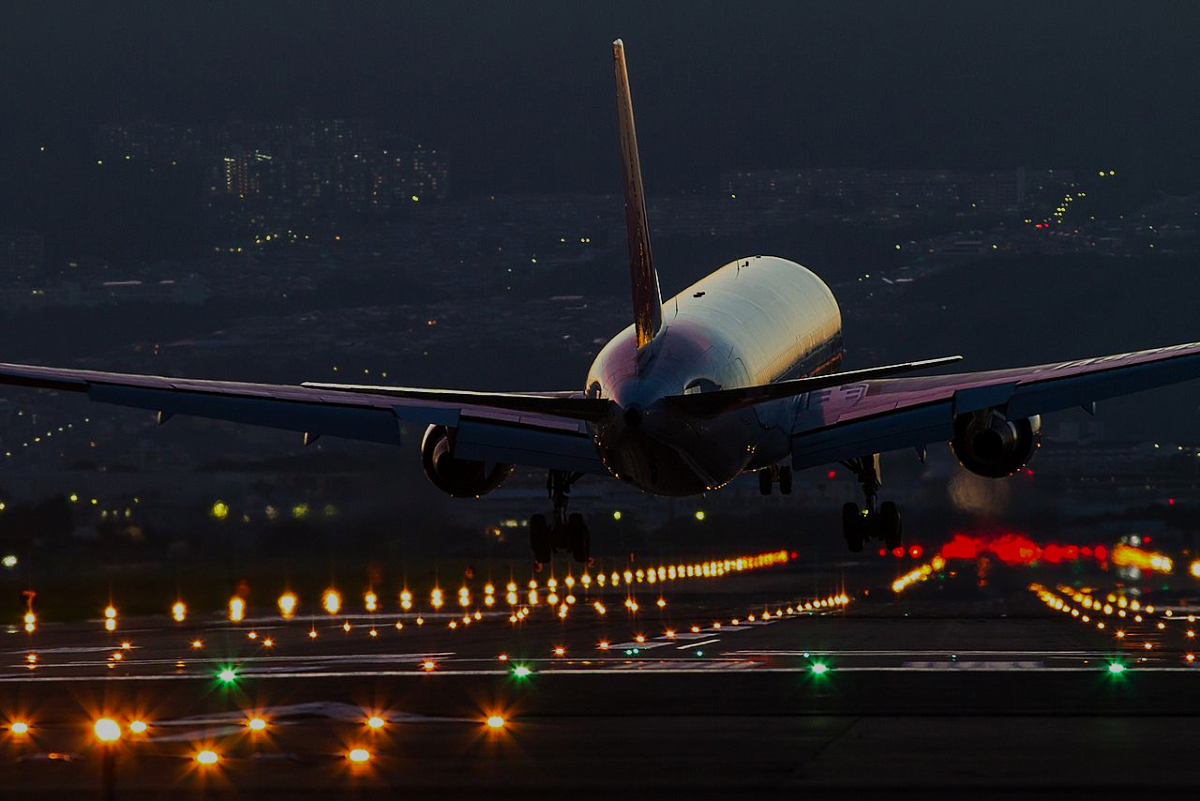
column 990, row 445
column 459, row 478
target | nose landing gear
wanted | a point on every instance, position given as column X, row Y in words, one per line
column 874, row 521
column 562, row 532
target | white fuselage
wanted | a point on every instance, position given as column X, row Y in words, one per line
column 754, row 321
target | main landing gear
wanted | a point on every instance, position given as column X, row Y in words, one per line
column 882, row 521
column 562, row 532
column 775, row 474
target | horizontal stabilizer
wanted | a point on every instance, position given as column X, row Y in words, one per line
column 710, row 404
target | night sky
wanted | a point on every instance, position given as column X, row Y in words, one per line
column 521, row 93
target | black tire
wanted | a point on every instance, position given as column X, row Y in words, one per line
column 539, row 538
column 785, row 481
column 852, row 527
column 764, row 482
column 581, row 538
column 890, row 526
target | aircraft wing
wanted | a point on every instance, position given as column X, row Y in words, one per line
column 535, row 429
column 856, row 419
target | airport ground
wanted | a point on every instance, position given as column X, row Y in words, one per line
column 792, row 678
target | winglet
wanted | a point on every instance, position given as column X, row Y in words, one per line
column 647, row 298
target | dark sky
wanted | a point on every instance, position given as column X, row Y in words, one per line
column 521, row 93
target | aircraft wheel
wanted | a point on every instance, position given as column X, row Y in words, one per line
column 581, row 538
column 764, row 482
column 852, row 527
column 539, row 539
column 785, row 481
column 890, row 525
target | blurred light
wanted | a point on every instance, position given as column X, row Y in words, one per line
column 287, row 604
column 237, row 609
column 138, row 726
column 179, row 611
column 359, row 755
column 495, row 722
column 1116, row 668
column 331, row 601
column 256, row 724
column 207, row 757
column 819, row 667
column 19, row 727
column 375, row 722
column 107, row 730
column 227, row 675
column 521, row 672
column 371, row 601
column 700, row 514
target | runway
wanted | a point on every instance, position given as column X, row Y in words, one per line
column 733, row 685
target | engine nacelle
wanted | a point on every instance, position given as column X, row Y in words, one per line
column 990, row 445
column 458, row 478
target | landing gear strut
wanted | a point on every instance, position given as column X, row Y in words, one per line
column 562, row 532
column 875, row 520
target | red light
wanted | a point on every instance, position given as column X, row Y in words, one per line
column 1028, row 471
column 1100, row 552
column 1086, row 550
column 831, row 474
column 1146, row 540
column 883, row 551
column 898, row 553
column 960, row 547
column 916, row 551
column 795, row 555
column 1170, row 501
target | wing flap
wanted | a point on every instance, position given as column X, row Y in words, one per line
column 502, row 442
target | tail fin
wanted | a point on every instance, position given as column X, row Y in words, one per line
column 647, row 298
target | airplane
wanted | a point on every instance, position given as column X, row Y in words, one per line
column 738, row 373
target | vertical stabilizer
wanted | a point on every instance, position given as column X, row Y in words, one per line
column 647, row 299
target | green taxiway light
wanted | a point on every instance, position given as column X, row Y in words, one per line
column 227, row 675
column 819, row 668
column 1116, row 668
column 522, row 672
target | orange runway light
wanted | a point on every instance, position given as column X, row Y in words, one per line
column 207, row 757
column 256, row 723
column 138, row 727
column 428, row 664
column 19, row 728
column 359, row 755
column 376, row 722
column 495, row 722
column 106, row 730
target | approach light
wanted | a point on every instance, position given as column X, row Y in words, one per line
column 107, row 730
column 287, row 604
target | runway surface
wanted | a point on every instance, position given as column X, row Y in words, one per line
column 790, row 678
